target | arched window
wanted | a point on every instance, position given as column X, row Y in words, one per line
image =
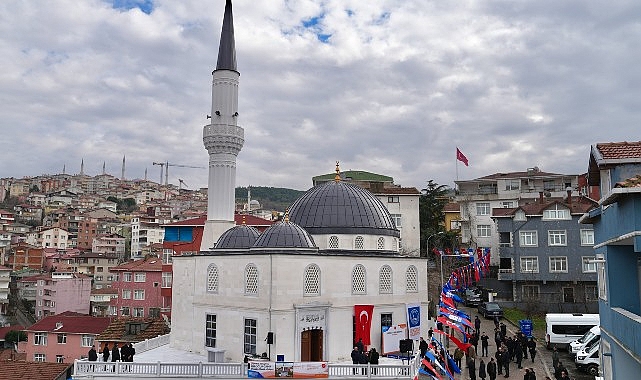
column 358, row 280
column 381, row 243
column 251, row 280
column 358, row 242
column 411, row 279
column 311, row 285
column 385, row 280
column 333, row 242
column 212, row 278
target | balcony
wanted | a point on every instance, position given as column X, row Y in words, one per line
column 624, row 325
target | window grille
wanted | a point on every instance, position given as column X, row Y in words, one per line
column 411, row 279
column 311, row 287
column 385, row 280
column 212, row 278
column 251, row 280
column 358, row 280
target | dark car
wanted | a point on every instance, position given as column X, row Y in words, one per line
column 490, row 309
column 471, row 297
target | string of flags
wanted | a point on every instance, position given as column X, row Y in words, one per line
column 437, row 362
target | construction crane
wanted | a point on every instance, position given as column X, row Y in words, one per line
column 166, row 166
column 181, row 183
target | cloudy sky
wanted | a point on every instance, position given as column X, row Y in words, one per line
column 391, row 86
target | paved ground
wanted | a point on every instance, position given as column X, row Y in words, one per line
column 542, row 364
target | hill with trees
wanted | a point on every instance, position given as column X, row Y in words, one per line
column 271, row 198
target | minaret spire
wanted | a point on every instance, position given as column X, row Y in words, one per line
column 82, row 166
column 223, row 138
column 122, row 175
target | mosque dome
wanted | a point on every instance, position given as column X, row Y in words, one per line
column 338, row 207
column 284, row 234
column 238, row 237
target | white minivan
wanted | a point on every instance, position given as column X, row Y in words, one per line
column 563, row 328
column 588, row 358
column 593, row 335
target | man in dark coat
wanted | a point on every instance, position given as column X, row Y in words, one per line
column 471, row 366
column 132, row 352
column 477, row 324
column 423, row 346
column 105, row 353
column 92, row 355
column 373, row 359
column 356, row 358
column 531, row 346
column 485, row 344
column 124, row 353
column 360, row 345
column 115, row 353
column 491, row 369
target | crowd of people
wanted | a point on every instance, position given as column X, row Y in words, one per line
column 125, row 354
column 360, row 356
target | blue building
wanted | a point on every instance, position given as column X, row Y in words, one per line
column 616, row 168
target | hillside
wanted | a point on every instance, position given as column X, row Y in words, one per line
column 271, row 198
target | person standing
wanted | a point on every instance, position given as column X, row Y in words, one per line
column 485, row 344
column 482, row 373
column 132, row 352
column 124, row 353
column 505, row 359
column 518, row 355
column 458, row 356
column 360, row 345
column 373, row 359
column 105, row 353
column 477, row 324
column 503, row 329
column 422, row 346
column 555, row 357
column 531, row 345
column 471, row 366
column 115, row 353
column 491, row 369
column 356, row 358
column 92, row 355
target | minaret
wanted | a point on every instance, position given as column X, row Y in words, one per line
column 122, row 175
column 223, row 138
column 82, row 166
column 104, row 167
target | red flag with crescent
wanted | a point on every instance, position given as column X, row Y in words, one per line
column 363, row 316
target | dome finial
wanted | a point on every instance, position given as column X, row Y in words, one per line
column 286, row 217
column 337, row 178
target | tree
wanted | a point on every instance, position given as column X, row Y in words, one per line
column 14, row 336
column 431, row 216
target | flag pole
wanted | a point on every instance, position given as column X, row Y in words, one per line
column 456, row 163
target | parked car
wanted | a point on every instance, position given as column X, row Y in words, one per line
column 490, row 309
column 471, row 297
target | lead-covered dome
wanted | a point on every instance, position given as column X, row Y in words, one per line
column 238, row 237
column 341, row 208
column 284, row 234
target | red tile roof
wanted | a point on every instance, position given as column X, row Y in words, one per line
column 620, row 150
column 149, row 264
column 452, row 207
column 4, row 330
column 579, row 205
column 12, row 370
column 630, row 182
column 116, row 332
column 72, row 323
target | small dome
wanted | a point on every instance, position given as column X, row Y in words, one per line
column 238, row 237
column 342, row 208
column 284, row 235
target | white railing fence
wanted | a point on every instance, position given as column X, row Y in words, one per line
column 149, row 344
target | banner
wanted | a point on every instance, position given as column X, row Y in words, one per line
column 414, row 320
column 363, row 316
column 297, row 370
column 392, row 337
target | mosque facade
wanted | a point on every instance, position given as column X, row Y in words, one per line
column 293, row 290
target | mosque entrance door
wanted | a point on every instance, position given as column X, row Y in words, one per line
column 311, row 346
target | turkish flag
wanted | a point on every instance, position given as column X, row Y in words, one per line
column 363, row 316
column 461, row 157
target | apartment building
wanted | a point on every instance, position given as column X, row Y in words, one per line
column 138, row 284
column 58, row 292
column 146, row 230
column 5, row 279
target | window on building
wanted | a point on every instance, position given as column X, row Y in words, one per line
column 87, row 340
column 60, row 359
column 62, row 338
column 380, row 244
column 483, row 208
column 251, row 280
column 603, row 294
column 557, row 212
column 520, row 216
column 98, row 278
column 40, row 339
column 511, row 185
column 393, row 199
column 126, row 294
column 588, row 264
column 530, row 292
column 385, row 280
column 591, row 293
column 140, row 277
column 139, row 312
column 166, row 279
column 212, row 278
column 505, row 239
column 139, row 294
column 397, row 218
column 210, row 330
column 528, row 238
column 39, row 358
column 529, row 264
column 508, row 204
column 557, row 238
column 250, row 336
column 411, row 279
column 333, row 242
column 386, row 320
column 167, row 256
column 358, row 280
column 568, row 295
column 113, row 310
column 359, row 242
column 311, row 285
column 154, row 312
column 558, row 264
column 126, row 277
column 483, row 230
column 99, row 269
column 587, row 237
column 125, row 311
column 548, row 185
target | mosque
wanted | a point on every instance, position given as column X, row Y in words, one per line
column 306, row 287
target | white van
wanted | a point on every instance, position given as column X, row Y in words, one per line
column 585, row 340
column 588, row 358
column 563, row 328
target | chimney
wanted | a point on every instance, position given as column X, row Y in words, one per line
column 541, row 197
